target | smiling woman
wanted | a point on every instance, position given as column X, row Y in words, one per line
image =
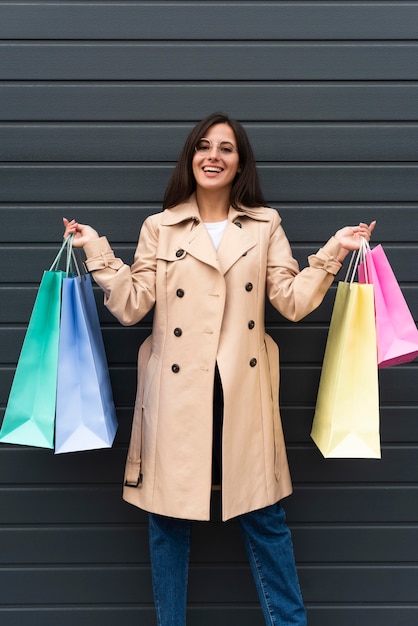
column 215, row 167
column 207, row 404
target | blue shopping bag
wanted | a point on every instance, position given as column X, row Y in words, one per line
column 85, row 413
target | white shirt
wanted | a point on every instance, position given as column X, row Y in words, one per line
column 216, row 230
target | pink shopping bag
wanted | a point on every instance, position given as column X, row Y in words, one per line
column 396, row 331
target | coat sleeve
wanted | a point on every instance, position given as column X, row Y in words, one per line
column 129, row 291
column 292, row 292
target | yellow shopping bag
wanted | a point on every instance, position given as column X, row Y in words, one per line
column 346, row 421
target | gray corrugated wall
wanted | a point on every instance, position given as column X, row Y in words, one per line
column 95, row 102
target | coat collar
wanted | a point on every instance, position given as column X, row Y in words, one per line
column 234, row 244
column 189, row 211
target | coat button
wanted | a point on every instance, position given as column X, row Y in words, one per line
column 238, row 224
column 179, row 253
column 253, row 362
column 180, row 293
column 251, row 324
column 178, row 332
column 249, row 287
column 175, row 368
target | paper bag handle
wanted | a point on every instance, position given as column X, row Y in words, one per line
column 358, row 256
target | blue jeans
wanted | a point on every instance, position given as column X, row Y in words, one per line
column 270, row 552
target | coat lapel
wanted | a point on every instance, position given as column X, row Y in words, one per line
column 198, row 243
column 234, row 244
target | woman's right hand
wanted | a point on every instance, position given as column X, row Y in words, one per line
column 82, row 232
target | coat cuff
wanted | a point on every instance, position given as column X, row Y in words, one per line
column 326, row 257
column 100, row 255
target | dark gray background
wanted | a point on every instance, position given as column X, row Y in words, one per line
column 96, row 100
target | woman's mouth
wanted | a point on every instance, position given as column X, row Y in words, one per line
column 211, row 169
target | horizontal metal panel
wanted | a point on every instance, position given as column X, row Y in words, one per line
column 347, row 615
column 162, row 142
column 117, row 101
column 91, row 585
column 398, row 423
column 397, row 384
column 390, row 583
column 83, row 504
column 75, row 545
column 104, row 615
column 43, row 224
column 26, row 263
column 308, row 466
column 36, row 223
column 127, row 615
column 97, row 466
column 356, row 544
column 19, row 303
column 87, row 584
column 340, row 503
column 25, row 465
column 244, row 614
column 298, row 343
column 123, row 381
column 217, row 543
column 212, row 544
column 132, row 182
column 208, row 20
column 103, row 504
column 323, row 313
column 205, row 60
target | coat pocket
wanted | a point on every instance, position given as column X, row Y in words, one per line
column 133, row 476
column 149, row 374
column 272, row 350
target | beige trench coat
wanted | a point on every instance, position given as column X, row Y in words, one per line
column 209, row 308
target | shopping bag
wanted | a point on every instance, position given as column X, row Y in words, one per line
column 346, row 420
column 30, row 412
column 85, row 412
column 396, row 331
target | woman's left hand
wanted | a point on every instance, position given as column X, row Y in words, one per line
column 350, row 237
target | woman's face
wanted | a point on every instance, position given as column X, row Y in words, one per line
column 216, row 162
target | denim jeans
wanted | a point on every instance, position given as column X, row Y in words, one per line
column 270, row 552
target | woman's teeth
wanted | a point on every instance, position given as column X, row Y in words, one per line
column 215, row 170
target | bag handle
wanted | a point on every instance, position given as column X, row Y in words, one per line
column 358, row 256
column 367, row 260
column 57, row 259
column 67, row 244
column 71, row 258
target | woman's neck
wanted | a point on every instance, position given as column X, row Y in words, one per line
column 213, row 207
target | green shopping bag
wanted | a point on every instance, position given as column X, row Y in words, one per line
column 30, row 412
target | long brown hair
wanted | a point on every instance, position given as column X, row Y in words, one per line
column 245, row 191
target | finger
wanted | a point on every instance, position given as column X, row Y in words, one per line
column 70, row 227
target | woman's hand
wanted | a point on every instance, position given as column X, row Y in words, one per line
column 82, row 232
column 350, row 237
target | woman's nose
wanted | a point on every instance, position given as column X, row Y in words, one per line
column 214, row 151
